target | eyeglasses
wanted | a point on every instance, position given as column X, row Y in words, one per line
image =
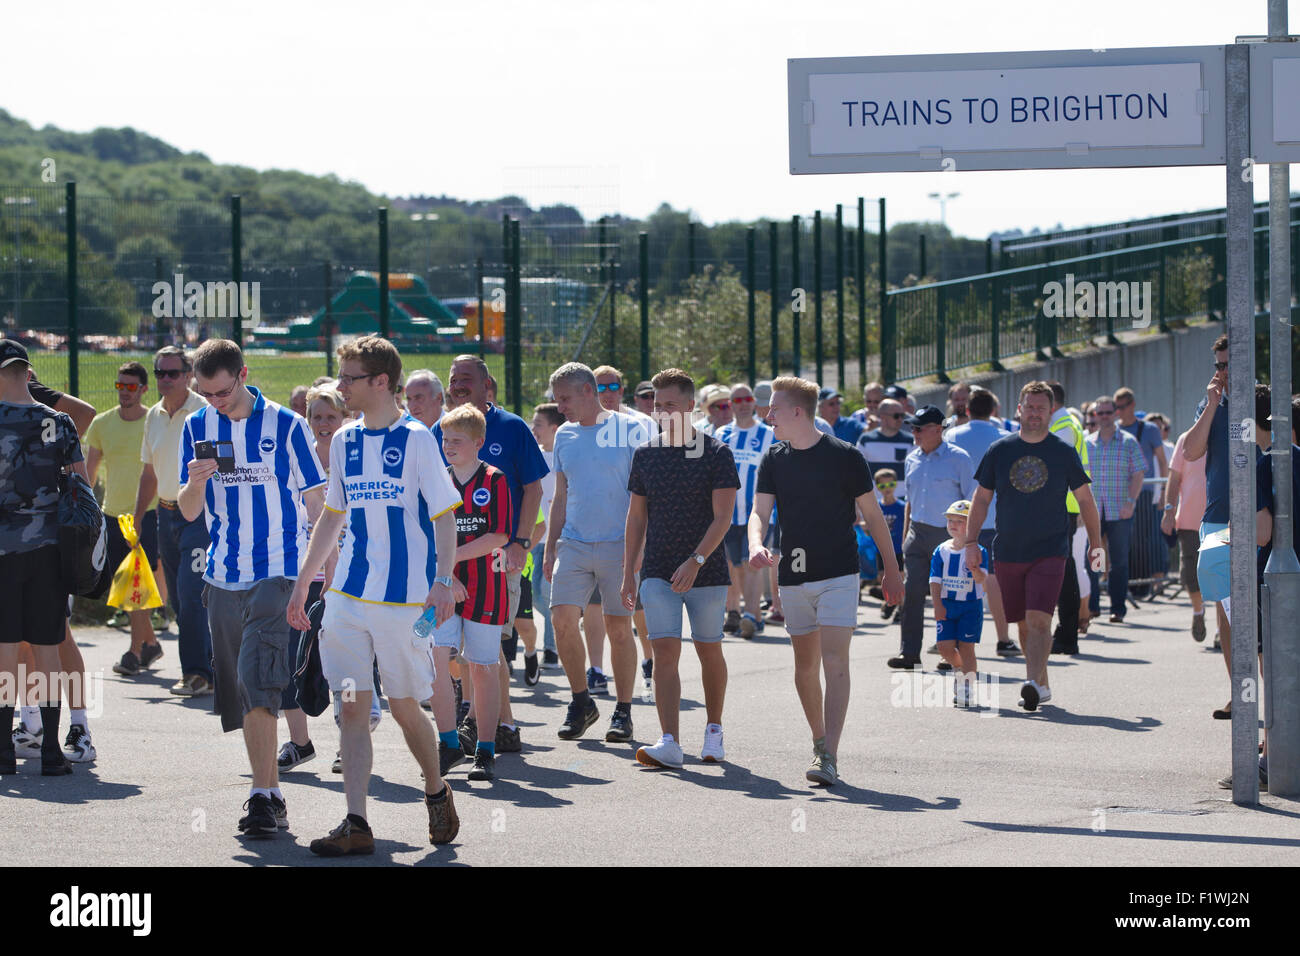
column 742, row 401
column 128, row 387
column 349, row 379
column 611, row 387
column 1220, row 366
column 1102, row 411
column 722, row 406
column 224, row 393
column 169, row 372
column 886, row 485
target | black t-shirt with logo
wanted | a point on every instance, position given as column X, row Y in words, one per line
column 678, row 482
column 816, row 489
column 1031, row 480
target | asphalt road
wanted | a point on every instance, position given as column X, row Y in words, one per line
column 1120, row 769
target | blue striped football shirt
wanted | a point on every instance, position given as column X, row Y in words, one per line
column 747, row 447
column 948, row 570
column 255, row 515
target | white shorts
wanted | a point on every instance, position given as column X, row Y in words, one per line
column 815, row 604
column 481, row 643
column 355, row 634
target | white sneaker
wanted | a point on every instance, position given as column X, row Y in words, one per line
column 78, row 746
column 960, row 698
column 27, row 745
column 712, row 752
column 1030, row 694
column 1044, row 695
column 666, row 753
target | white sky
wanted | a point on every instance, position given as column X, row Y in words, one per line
column 610, row 106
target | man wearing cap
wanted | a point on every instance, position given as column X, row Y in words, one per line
column 36, row 445
column 716, row 402
column 644, row 398
column 937, row 473
column 828, row 407
column 888, row 445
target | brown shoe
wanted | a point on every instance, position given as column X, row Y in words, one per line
column 344, row 840
column 444, row 823
column 192, row 685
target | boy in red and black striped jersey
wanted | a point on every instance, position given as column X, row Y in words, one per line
column 482, row 529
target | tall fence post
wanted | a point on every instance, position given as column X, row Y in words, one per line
column 995, row 325
column 643, row 293
column 862, row 293
column 329, row 319
column 888, row 345
column 817, row 294
column 74, row 335
column 941, row 338
column 839, row 295
column 751, row 277
column 482, row 319
column 237, row 268
column 514, row 328
column 1164, row 323
column 383, row 272
column 796, row 286
column 922, row 266
column 772, row 279
column 1040, row 324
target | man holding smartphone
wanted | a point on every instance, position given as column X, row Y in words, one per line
column 258, row 491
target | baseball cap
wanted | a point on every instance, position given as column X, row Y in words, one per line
column 644, row 388
column 826, row 394
column 11, row 351
column 763, row 393
column 958, row 509
column 925, row 415
column 714, row 393
column 896, row 392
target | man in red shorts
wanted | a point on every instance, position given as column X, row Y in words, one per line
column 1031, row 470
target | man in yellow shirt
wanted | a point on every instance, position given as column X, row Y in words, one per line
column 113, row 441
column 1075, row 583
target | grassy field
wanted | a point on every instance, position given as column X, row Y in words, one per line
column 275, row 375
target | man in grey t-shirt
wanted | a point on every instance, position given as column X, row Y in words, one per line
column 584, row 545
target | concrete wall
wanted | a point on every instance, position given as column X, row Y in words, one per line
column 1168, row 373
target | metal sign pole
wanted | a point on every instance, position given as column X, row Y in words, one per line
column 1241, row 409
column 1281, row 594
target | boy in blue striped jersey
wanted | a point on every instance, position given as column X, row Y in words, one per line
column 258, row 484
column 958, row 595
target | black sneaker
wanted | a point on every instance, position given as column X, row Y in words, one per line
column 578, row 719
column 148, row 654
column 887, row 611
column 448, row 757
column 260, row 819
column 128, row 666
column 55, row 766
column 508, row 740
column 280, row 810
column 732, row 625
column 468, row 733
column 484, row 765
column 943, row 666
column 291, row 755
column 550, row 660
column 904, row 663
column 532, row 670
column 620, row 727
column 1008, row 649
column 1059, row 646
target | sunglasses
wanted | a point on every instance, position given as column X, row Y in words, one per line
column 128, row 387
column 611, row 387
column 886, row 485
column 1220, row 366
column 723, row 406
column 170, row 372
column 1104, row 412
column 742, row 401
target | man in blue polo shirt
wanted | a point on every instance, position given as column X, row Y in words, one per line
column 257, row 511
column 509, row 445
column 828, row 407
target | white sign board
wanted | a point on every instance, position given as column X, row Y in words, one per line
column 1157, row 107
column 1275, row 102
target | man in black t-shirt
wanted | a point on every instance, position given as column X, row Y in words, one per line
column 818, row 484
column 1031, row 471
column 683, row 486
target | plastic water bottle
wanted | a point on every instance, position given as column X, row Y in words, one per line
column 423, row 627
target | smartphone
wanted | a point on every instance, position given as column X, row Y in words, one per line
column 222, row 451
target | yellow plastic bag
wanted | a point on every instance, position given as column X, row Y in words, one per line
column 134, row 587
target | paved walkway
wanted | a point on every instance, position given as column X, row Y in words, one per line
column 1120, row 769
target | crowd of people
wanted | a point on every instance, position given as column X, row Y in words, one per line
column 402, row 532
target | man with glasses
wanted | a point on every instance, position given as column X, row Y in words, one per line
column 113, row 440
column 748, row 440
column 938, row 473
column 1117, row 473
column 258, row 493
column 715, row 400
column 889, row 445
column 183, row 545
column 828, row 407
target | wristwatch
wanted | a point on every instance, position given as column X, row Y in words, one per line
column 524, row 543
column 699, row 558
column 444, row 581
column 1169, row 507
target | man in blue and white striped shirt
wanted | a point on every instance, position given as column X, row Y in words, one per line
column 748, row 439
column 258, row 483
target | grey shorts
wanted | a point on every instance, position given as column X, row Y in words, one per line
column 815, row 604
column 581, row 567
column 250, row 648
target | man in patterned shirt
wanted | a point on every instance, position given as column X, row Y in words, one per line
column 36, row 445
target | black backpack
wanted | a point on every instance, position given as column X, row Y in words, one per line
column 83, row 538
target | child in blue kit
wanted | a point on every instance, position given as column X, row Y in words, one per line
column 886, row 481
column 958, row 595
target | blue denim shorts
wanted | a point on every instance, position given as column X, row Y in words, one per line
column 706, row 607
